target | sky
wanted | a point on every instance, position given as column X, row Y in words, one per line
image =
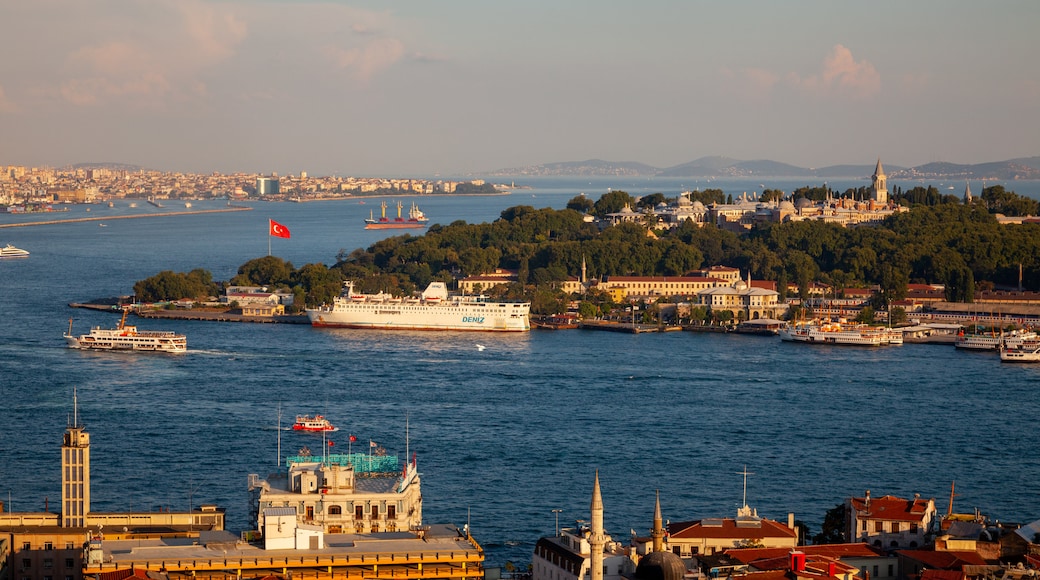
column 426, row 87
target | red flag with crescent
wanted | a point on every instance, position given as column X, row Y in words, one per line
column 278, row 230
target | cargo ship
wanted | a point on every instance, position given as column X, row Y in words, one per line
column 416, row 219
column 434, row 309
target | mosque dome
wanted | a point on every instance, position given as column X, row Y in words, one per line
column 660, row 566
column 786, row 205
column 803, row 202
column 697, row 205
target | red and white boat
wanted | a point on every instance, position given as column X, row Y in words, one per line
column 317, row 424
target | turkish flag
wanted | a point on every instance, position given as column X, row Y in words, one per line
column 278, row 230
column 353, row 438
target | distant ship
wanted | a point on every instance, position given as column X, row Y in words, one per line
column 416, row 219
column 127, row 338
column 10, row 251
column 434, row 310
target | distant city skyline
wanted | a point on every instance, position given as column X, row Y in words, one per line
column 420, row 88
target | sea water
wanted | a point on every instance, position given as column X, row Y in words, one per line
column 503, row 435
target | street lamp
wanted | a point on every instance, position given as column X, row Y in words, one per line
column 557, row 512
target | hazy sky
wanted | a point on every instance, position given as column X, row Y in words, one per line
column 417, row 87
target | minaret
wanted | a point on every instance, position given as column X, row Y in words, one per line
column 967, row 193
column 583, row 278
column 880, row 187
column 598, row 539
column 657, row 534
column 75, row 472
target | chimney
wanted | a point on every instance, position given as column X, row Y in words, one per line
column 832, row 569
column 866, row 500
column 790, row 520
column 797, row 561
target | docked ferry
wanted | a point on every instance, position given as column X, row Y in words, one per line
column 835, row 333
column 433, row 310
column 127, row 337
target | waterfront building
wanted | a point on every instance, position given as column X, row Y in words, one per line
column 266, row 186
column 715, row 535
column 623, row 288
column 351, row 493
column 743, row 300
column 889, row 521
column 487, row 280
column 45, row 545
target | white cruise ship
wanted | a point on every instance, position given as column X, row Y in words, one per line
column 434, row 310
column 992, row 341
column 127, row 338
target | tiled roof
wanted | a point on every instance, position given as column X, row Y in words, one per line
column 859, row 550
column 943, row 560
column 727, row 528
column 891, row 508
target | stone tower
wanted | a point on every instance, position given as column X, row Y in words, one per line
column 598, row 539
column 967, row 193
column 880, row 184
column 75, row 472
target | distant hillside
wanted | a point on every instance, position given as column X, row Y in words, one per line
column 1023, row 168
column 588, row 167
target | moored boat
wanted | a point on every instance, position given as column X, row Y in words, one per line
column 10, row 251
column 433, row 310
column 836, row 334
column 317, row 423
column 1029, row 353
column 556, row 322
column 993, row 340
column 127, row 337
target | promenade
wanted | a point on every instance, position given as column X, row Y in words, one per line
column 124, row 217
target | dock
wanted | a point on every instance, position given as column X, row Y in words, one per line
column 218, row 316
column 627, row 327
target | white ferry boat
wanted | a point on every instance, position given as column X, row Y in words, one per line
column 992, row 341
column 127, row 337
column 1027, row 353
column 434, row 310
column 835, row 333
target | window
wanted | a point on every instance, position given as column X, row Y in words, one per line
column 875, row 571
column 48, row 562
column 26, row 546
column 879, row 526
column 913, row 528
column 391, row 512
column 375, row 511
column 890, row 570
column 359, row 512
column 69, row 562
column 895, row 527
column 335, row 510
column 26, row 563
column 48, row 546
column 70, row 545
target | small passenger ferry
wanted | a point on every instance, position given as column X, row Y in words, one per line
column 316, row 423
column 126, row 337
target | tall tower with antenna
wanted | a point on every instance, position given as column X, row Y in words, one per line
column 75, row 471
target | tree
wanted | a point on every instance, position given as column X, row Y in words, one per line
column 612, row 202
column 897, row 315
column 833, row 529
column 580, row 203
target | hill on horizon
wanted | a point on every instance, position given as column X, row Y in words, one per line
column 718, row 166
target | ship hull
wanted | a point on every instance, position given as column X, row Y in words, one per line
column 393, row 226
column 507, row 317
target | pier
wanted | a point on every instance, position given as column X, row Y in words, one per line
column 627, row 327
column 124, row 217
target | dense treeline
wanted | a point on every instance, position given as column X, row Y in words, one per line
column 945, row 242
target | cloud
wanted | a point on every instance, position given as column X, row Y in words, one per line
column 840, row 75
column 6, row 105
column 365, row 61
column 187, row 39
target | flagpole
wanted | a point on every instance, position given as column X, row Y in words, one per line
column 268, row 237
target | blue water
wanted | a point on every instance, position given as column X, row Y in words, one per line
column 504, row 435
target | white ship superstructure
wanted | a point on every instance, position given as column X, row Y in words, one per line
column 434, row 310
column 834, row 333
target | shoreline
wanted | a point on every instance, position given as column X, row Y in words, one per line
column 124, row 217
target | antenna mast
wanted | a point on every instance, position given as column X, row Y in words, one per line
column 279, row 433
column 745, row 473
column 75, row 409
